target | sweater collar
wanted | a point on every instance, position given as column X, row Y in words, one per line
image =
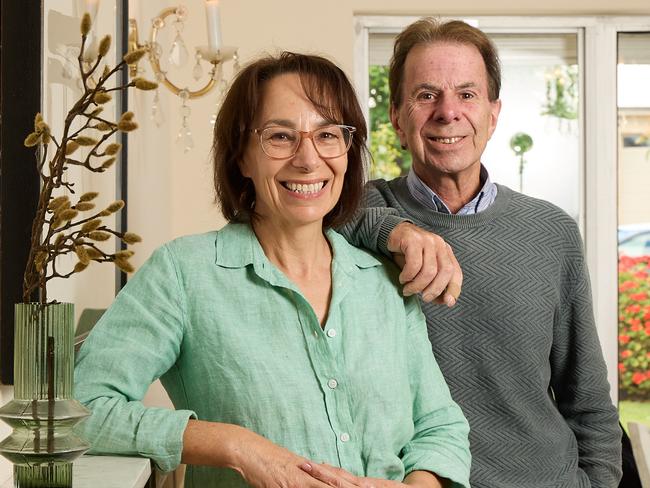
column 424, row 216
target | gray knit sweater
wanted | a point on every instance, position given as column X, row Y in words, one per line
column 519, row 350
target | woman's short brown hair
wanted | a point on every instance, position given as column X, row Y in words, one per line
column 327, row 87
column 429, row 30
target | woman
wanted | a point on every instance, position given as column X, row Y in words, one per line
column 290, row 355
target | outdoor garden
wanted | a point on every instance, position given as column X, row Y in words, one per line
column 634, row 339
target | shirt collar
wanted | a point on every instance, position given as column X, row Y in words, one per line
column 236, row 246
column 427, row 197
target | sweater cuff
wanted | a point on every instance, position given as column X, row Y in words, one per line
column 388, row 223
column 160, row 436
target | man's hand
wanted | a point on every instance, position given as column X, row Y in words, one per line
column 428, row 264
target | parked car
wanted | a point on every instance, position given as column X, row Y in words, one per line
column 634, row 240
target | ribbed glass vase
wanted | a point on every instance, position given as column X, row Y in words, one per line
column 43, row 412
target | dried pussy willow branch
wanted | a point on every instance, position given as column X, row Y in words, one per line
column 62, row 226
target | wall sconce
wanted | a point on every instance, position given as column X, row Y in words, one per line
column 214, row 53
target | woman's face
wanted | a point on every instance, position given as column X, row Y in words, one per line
column 301, row 189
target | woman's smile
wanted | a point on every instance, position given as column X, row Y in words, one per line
column 305, row 189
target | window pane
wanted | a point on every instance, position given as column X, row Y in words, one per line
column 540, row 97
column 389, row 159
column 634, row 226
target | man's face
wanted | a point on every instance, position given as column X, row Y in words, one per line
column 445, row 117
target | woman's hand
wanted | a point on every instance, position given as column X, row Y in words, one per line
column 340, row 478
column 264, row 464
column 259, row 461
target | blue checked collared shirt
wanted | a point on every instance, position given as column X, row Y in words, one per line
column 427, row 197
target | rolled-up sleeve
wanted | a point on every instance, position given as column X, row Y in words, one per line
column 440, row 443
column 136, row 341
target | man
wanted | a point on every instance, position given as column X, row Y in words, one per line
column 519, row 350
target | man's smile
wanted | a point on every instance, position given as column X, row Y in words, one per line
column 447, row 140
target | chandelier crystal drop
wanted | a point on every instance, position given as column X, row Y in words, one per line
column 157, row 114
column 178, row 56
column 184, row 136
column 197, row 71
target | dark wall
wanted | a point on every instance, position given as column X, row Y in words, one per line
column 20, row 66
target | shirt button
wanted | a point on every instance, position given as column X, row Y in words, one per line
column 345, row 437
column 331, row 333
column 332, row 383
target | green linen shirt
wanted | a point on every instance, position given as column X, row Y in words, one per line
column 234, row 341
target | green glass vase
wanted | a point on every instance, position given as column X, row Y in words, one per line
column 43, row 412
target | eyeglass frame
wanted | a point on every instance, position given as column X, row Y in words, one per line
column 305, row 135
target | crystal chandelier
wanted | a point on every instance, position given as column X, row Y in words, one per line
column 215, row 54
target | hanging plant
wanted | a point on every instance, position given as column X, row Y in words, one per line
column 562, row 92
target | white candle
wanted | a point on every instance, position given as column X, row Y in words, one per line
column 91, row 7
column 214, row 25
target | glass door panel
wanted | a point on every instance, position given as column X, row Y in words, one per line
column 540, row 96
column 633, row 80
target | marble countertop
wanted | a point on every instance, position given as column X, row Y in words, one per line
column 107, row 472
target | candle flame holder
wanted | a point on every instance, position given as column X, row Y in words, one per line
column 179, row 56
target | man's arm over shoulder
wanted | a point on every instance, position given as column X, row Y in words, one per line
column 579, row 375
column 374, row 221
column 428, row 263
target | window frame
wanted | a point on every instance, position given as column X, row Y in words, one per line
column 598, row 129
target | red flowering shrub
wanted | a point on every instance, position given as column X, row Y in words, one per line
column 634, row 327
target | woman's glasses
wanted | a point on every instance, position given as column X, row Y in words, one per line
column 330, row 141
